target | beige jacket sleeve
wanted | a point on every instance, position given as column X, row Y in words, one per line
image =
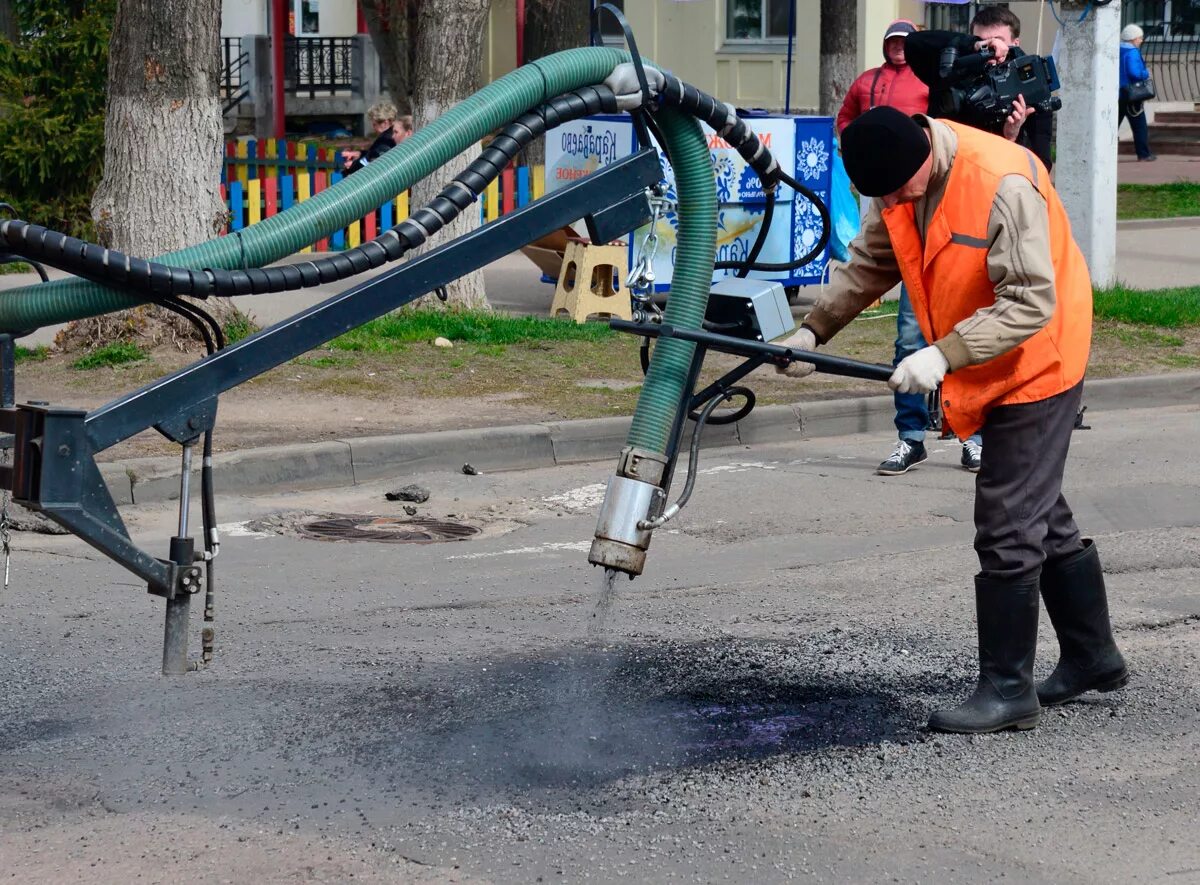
column 869, row 274
column 1020, row 265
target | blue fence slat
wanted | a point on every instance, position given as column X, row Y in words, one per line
column 522, row 185
column 287, row 192
column 338, row 240
column 237, row 217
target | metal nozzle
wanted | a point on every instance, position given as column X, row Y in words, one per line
column 620, row 543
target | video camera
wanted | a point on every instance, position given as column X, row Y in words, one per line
column 982, row 94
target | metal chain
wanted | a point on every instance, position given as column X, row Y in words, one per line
column 641, row 275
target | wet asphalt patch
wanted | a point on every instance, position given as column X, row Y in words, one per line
column 587, row 719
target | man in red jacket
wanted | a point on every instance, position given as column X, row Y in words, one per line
column 893, row 83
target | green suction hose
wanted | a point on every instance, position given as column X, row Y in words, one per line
column 32, row 307
column 691, row 279
column 414, row 159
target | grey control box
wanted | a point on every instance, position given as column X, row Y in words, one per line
column 746, row 308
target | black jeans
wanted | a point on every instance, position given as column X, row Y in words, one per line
column 1021, row 516
column 1137, row 122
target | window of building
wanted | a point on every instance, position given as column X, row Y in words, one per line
column 1163, row 18
column 944, row 17
column 309, row 15
column 757, row 20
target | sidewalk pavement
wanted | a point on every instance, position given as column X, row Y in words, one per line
column 348, row 462
column 1165, row 170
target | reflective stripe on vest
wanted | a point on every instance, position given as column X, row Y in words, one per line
column 947, row 281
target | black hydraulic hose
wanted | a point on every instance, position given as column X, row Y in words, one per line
column 213, row 340
column 723, row 118
column 744, row 267
column 200, row 322
column 822, row 241
column 162, row 281
column 211, row 546
column 702, row 420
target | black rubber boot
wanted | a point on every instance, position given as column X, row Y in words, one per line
column 1073, row 590
column 1007, row 612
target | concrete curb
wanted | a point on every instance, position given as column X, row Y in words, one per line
column 1159, row 223
column 349, row 462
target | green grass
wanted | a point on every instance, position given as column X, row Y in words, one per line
column 326, row 362
column 15, row 267
column 32, row 354
column 241, row 326
column 1158, row 200
column 390, row 333
column 1152, row 337
column 1165, row 308
column 115, row 354
column 887, row 308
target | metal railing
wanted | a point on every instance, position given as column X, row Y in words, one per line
column 233, row 87
column 1172, row 45
column 320, row 65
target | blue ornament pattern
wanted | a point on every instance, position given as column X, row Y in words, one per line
column 812, row 159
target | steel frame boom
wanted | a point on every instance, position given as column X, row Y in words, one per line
column 54, row 469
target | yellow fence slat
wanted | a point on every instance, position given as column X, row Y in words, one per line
column 353, row 235
column 491, row 209
column 537, row 180
column 401, row 207
column 254, row 199
column 243, row 169
column 303, row 185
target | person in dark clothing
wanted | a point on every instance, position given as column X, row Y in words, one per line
column 1001, row 30
column 382, row 116
column 1133, row 68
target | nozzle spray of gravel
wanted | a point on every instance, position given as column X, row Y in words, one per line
column 597, row 625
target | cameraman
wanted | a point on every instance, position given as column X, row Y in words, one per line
column 999, row 30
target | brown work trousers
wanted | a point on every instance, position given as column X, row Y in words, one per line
column 1021, row 516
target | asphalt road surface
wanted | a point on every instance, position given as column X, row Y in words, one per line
column 750, row 710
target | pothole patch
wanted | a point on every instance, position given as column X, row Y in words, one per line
column 387, row 529
column 381, row 529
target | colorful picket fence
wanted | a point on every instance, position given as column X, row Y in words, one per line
column 261, row 179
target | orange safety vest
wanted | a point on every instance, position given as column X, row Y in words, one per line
column 947, row 282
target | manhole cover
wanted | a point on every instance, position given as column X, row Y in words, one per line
column 388, row 529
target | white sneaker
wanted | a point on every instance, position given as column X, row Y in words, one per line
column 972, row 456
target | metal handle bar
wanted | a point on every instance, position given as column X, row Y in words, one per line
column 832, row 365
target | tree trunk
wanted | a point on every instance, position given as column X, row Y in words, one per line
column 391, row 24
column 8, row 22
column 162, row 131
column 839, row 49
column 552, row 26
column 162, row 128
column 448, row 45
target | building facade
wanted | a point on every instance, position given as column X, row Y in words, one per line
column 734, row 49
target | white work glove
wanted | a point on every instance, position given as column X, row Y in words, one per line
column 921, row 372
column 803, row 339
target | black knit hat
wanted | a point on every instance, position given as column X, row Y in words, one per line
column 882, row 150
